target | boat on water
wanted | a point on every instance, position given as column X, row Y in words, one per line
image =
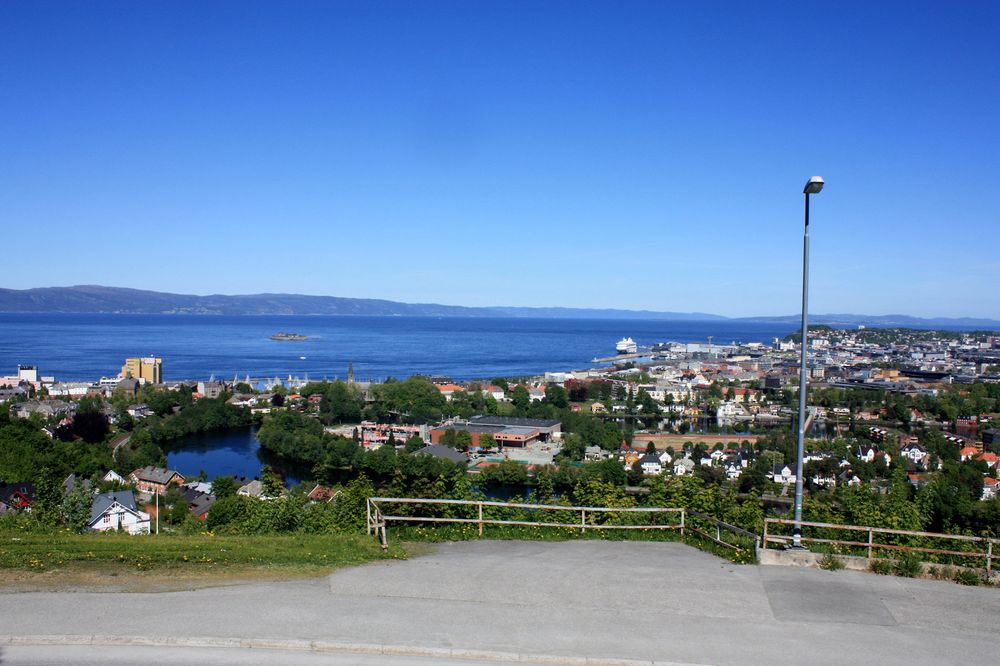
column 288, row 336
column 626, row 346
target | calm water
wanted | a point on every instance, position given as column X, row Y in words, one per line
column 229, row 453
column 88, row 346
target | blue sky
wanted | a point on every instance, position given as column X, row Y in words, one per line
column 591, row 154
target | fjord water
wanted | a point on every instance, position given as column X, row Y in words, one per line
column 88, row 346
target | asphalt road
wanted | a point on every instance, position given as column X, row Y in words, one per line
column 565, row 601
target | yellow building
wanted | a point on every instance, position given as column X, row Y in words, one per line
column 148, row 369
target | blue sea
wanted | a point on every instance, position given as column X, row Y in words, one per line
column 88, row 346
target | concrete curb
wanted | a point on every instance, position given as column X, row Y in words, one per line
column 299, row 645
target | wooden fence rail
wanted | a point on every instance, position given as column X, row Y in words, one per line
column 870, row 545
column 378, row 519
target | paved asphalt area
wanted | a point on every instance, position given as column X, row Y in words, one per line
column 564, row 600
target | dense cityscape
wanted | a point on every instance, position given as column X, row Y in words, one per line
column 886, row 407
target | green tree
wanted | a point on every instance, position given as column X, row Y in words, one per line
column 176, row 508
column 521, row 399
column 556, row 396
column 76, row 509
column 463, row 440
column 47, row 505
column 271, row 483
column 224, row 486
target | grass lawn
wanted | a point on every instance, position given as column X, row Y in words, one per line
column 147, row 562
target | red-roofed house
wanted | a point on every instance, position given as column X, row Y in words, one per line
column 989, row 458
column 447, row 390
column 967, row 453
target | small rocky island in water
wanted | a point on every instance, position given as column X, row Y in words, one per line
column 288, row 336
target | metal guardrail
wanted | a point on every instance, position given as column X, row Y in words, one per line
column 377, row 519
column 720, row 528
column 871, row 546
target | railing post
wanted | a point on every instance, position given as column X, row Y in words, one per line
column 480, row 518
column 871, row 534
column 989, row 557
column 718, row 533
column 583, row 520
column 682, row 521
column 368, row 515
column 765, row 534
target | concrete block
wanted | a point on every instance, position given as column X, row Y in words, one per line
column 485, row 655
column 338, row 646
column 148, row 641
column 553, row 659
column 50, row 639
column 417, row 651
column 207, row 641
column 276, row 644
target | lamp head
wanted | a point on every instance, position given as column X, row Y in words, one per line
column 814, row 185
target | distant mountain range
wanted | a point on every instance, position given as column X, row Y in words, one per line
column 98, row 299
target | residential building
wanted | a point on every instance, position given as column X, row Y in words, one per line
column 46, row 408
column 321, row 493
column 683, row 466
column 117, row 510
column 16, row 497
column 128, row 387
column 650, row 464
column 252, row 489
column 449, row 390
column 139, row 411
column 782, row 474
column 199, row 502
column 211, row 389
column 915, row 453
column 155, row 479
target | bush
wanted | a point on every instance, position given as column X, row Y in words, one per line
column 967, row 577
column 881, row 567
column 908, row 566
column 831, row 562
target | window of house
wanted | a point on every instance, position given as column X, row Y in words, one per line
column 107, row 518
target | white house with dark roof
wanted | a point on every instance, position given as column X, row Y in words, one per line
column 118, row 510
column 915, row 453
column 651, row 464
column 782, row 474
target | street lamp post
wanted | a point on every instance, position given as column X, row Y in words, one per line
column 814, row 186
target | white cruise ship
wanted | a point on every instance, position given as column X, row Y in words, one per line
column 626, row 346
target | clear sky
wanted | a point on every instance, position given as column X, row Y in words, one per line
column 591, row 154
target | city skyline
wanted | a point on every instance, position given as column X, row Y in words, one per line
column 642, row 156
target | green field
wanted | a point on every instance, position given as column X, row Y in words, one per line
column 114, row 554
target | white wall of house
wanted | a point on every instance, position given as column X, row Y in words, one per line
column 134, row 522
